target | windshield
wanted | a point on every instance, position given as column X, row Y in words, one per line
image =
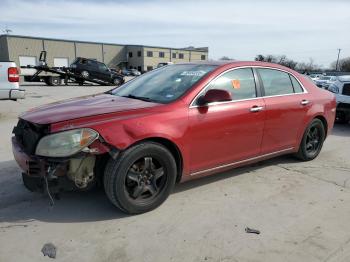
column 164, row 85
column 325, row 78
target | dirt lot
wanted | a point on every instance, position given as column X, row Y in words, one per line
column 301, row 209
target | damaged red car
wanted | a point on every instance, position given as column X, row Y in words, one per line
column 170, row 125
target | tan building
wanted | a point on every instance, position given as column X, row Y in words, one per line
column 25, row 50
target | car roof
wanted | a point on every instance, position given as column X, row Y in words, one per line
column 231, row 63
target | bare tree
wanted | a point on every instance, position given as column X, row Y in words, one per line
column 343, row 65
column 226, row 58
column 309, row 66
column 281, row 59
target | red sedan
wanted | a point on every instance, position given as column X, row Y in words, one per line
column 170, row 125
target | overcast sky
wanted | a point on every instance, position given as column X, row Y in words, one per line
column 299, row 29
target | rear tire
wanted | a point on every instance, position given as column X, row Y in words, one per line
column 117, row 81
column 312, row 141
column 53, row 81
column 141, row 179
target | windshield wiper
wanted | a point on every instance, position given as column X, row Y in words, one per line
column 143, row 98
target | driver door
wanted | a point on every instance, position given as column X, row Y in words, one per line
column 226, row 132
column 104, row 72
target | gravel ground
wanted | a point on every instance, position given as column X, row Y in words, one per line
column 300, row 208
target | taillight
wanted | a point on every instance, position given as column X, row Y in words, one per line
column 13, row 74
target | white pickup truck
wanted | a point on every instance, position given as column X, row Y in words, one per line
column 341, row 89
column 9, row 81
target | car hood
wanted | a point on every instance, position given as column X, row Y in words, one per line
column 83, row 107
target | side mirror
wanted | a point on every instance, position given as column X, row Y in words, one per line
column 215, row 95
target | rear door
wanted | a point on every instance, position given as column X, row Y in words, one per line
column 226, row 132
column 286, row 104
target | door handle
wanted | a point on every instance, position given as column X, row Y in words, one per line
column 256, row 109
column 304, row 102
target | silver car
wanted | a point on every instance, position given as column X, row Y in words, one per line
column 319, row 82
column 325, row 85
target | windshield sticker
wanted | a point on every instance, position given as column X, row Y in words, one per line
column 193, row 73
column 236, row 84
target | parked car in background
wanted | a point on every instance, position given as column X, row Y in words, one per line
column 323, row 79
column 9, row 81
column 315, row 77
column 164, row 64
column 93, row 69
column 131, row 72
column 327, row 83
column 171, row 125
column 341, row 89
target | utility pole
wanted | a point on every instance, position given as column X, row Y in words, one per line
column 336, row 67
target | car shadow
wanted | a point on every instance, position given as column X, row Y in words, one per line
column 286, row 159
column 17, row 204
column 341, row 130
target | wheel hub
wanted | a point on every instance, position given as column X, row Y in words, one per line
column 144, row 179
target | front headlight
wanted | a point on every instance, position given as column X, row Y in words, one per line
column 66, row 143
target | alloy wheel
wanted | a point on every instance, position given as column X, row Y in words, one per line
column 313, row 140
column 145, row 179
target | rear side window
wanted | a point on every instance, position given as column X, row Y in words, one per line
column 275, row 82
column 296, row 85
column 239, row 82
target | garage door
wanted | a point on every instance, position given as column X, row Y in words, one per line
column 27, row 60
column 60, row 62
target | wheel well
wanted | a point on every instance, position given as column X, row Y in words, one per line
column 174, row 150
column 324, row 122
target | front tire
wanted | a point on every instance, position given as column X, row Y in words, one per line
column 141, row 179
column 312, row 141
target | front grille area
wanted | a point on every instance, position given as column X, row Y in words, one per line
column 346, row 90
column 29, row 134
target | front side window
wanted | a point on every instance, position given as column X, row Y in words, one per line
column 92, row 63
column 275, row 82
column 102, row 67
column 239, row 82
column 165, row 84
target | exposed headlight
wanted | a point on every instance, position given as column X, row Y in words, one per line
column 66, row 143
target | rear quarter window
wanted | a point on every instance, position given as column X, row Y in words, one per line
column 296, row 85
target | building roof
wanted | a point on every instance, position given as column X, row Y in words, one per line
column 191, row 48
